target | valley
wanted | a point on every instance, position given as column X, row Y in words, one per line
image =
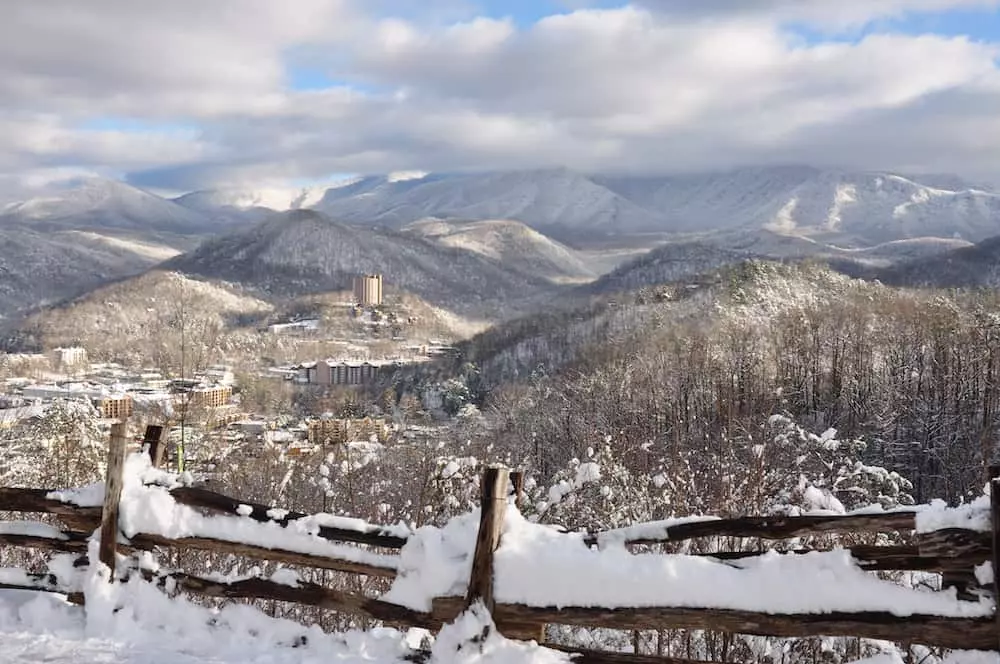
column 335, row 353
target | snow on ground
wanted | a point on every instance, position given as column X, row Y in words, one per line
column 135, row 623
column 31, row 529
column 152, row 629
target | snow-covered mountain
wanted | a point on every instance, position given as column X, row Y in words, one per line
column 132, row 315
column 539, row 198
column 304, row 251
column 100, row 203
column 512, row 243
column 849, row 208
column 41, row 267
column 838, row 206
column 975, row 266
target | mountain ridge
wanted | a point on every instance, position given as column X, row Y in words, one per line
column 305, row 251
column 40, row 267
column 102, row 203
column 697, row 256
column 515, row 245
column 852, row 208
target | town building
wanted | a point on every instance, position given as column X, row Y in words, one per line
column 336, row 431
column 298, row 327
column 368, row 290
column 205, row 396
column 111, row 403
column 218, row 374
column 332, row 372
column 115, row 406
column 71, row 358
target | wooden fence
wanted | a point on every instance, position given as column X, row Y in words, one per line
column 952, row 552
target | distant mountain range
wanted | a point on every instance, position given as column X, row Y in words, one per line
column 975, row 266
column 838, row 207
column 278, row 199
column 83, row 235
column 460, row 239
column 845, row 208
column 99, row 203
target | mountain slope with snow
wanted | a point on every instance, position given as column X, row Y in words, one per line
column 304, row 251
column 137, row 315
column 539, row 198
column 99, row 203
column 976, row 266
column 850, row 208
column 515, row 245
column 693, row 256
column 37, row 267
column 854, row 207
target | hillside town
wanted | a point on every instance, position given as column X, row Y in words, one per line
column 209, row 402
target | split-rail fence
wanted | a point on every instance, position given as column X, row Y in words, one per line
column 951, row 552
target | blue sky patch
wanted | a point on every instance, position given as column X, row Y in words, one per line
column 982, row 25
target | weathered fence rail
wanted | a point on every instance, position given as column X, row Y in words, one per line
column 84, row 517
column 953, row 552
column 760, row 527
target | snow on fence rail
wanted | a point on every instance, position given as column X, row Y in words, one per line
column 529, row 575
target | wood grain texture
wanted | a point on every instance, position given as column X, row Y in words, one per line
column 112, row 496
column 769, row 527
column 493, row 505
column 963, row 633
column 147, row 540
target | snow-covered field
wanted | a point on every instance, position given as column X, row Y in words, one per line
column 149, row 628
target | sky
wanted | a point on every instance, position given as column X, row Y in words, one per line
column 189, row 94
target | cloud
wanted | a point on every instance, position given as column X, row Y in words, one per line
column 664, row 85
column 829, row 13
column 184, row 57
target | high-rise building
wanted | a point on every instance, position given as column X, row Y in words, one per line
column 368, row 290
column 68, row 359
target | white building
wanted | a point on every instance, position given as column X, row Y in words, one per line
column 69, row 358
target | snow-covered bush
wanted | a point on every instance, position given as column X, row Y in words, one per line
column 831, row 473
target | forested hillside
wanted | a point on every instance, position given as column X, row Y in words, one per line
column 688, row 375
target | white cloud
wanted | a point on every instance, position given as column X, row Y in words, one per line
column 184, row 57
column 829, row 13
column 662, row 86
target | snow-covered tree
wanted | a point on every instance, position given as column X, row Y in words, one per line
column 65, row 447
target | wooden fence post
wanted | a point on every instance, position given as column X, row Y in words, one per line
column 153, row 438
column 517, row 484
column 493, row 504
column 112, row 495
